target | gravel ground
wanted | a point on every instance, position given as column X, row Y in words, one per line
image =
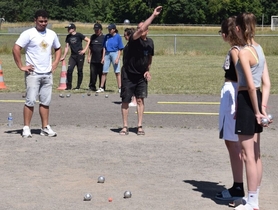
column 179, row 164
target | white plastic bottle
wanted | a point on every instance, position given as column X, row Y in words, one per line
column 10, row 120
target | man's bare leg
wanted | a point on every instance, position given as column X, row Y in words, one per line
column 44, row 113
column 27, row 115
column 124, row 108
column 140, row 111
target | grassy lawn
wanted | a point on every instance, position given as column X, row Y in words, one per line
column 171, row 74
column 188, row 60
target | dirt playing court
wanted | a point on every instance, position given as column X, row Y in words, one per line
column 179, row 164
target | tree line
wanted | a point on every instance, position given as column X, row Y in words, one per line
column 174, row 11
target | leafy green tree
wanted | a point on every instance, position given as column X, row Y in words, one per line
column 184, row 11
column 270, row 7
column 220, row 10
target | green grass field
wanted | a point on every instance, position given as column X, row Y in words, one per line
column 194, row 66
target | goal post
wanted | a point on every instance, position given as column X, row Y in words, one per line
column 274, row 22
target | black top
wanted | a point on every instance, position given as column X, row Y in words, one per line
column 137, row 55
column 230, row 74
column 75, row 42
column 96, row 48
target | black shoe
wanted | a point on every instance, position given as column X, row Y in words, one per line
column 68, row 88
column 76, row 88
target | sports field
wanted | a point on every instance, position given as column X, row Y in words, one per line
column 179, row 164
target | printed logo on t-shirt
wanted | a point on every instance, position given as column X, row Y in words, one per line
column 43, row 45
column 73, row 40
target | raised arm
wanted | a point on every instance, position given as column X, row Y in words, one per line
column 146, row 24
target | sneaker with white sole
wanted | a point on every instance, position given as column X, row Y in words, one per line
column 247, row 206
column 119, row 90
column 26, row 132
column 47, row 131
column 100, row 90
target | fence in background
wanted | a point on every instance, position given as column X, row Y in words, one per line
column 174, row 44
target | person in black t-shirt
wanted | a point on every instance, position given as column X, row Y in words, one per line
column 74, row 41
column 136, row 75
column 95, row 56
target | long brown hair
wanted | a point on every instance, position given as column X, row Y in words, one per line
column 228, row 27
column 247, row 23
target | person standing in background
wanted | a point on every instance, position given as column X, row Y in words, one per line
column 74, row 42
column 112, row 48
column 227, row 111
column 95, row 56
column 127, row 33
column 38, row 43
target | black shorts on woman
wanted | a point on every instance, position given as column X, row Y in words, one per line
column 246, row 123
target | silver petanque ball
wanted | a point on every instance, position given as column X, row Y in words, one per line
column 61, row 95
column 106, row 96
column 96, row 94
column 270, row 116
column 127, row 194
column 101, row 179
column 87, row 197
column 88, row 94
column 126, row 21
column 264, row 121
column 68, row 95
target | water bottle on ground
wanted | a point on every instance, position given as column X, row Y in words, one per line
column 10, row 120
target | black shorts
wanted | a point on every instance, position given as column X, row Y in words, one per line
column 246, row 123
column 133, row 85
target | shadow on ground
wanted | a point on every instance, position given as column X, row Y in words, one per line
column 208, row 189
column 19, row 131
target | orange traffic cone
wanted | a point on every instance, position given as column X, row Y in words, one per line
column 2, row 84
column 63, row 77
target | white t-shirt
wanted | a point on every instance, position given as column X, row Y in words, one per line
column 38, row 48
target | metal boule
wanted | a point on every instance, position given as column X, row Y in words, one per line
column 87, row 197
column 61, row 95
column 264, row 121
column 106, row 96
column 96, row 94
column 270, row 117
column 68, row 95
column 127, row 194
column 101, row 179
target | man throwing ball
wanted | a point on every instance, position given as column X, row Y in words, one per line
column 136, row 71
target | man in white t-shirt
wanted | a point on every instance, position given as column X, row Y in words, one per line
column 38, row 43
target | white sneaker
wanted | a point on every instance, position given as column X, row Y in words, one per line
column 100, row 90
column 47, row 131
column 119, row 91
column 26, row 133
column 131, row 104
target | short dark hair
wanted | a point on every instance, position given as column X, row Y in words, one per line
column 41, row 13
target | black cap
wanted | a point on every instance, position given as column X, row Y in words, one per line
column 71, row 26
column 98, row 26
column 111, row 26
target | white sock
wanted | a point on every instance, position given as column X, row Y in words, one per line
column 258, row 193
column 253, row 199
